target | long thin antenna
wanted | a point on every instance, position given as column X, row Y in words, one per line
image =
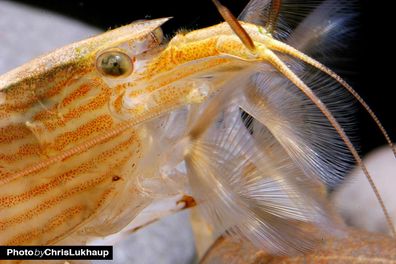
column 284, row 48
column 289, row 74
column 235, row 25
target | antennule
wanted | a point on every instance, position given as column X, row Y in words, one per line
column 282, row 68
column 286, row 49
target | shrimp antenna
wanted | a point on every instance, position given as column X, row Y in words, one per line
column 235, row 25
column 284, row 48
column 273, row 15
column 289, row 74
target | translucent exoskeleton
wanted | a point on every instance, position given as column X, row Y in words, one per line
column 237, row 118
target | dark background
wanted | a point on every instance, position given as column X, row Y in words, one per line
column 368, row 51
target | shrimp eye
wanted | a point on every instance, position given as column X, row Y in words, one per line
column 114, row 64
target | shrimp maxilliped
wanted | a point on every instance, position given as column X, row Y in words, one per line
column 235, row 118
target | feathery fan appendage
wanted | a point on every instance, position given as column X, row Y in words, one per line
column 254, row 191
column 257, row 167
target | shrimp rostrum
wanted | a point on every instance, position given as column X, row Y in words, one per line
column 237, row 117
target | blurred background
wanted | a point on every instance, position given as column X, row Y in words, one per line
column 29, row 28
